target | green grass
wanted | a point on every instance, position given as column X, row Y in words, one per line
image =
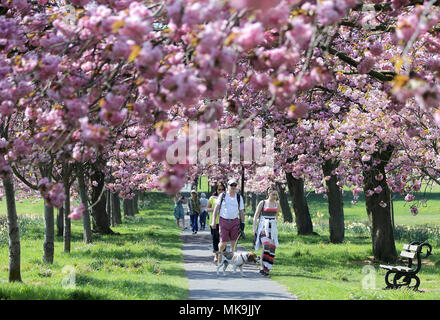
column 144, row 262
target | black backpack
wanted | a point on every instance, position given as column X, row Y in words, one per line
column 222, row 197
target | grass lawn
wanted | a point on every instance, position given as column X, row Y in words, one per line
column 144, row 262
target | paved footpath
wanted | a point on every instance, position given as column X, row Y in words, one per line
column 204, row 284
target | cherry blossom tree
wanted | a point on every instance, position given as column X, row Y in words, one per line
column 74, row 75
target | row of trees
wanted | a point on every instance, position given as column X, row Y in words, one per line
column 89, row 91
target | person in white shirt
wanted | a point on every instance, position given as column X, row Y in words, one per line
column 230, row 207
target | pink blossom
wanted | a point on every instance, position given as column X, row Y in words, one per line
column 77, row 212
column 254, row 4
column 365, row 65
column 299, row 110
column 414, row 210
column 406, row 26
column 366, row 158
column 376, row 49
column 251, row 35
column 378, row 189
column 330, row 11
column 409, row 197
column 382, row 204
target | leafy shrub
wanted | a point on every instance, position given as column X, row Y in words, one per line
column 28, row 225
column 417, row 233
column 358, row 228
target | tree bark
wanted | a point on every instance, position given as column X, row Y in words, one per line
column 60, row 221
column 108, row 207
column 87, row 237
column 115, row 206
column 300, row 207
column 136, row 202
column 13, row 231
column 284, row 203
column 49, row 234
column 335, row 203
column 254, row 201
column 128, row 208
column 378, row 208
column 100, row 218
column 67, row 223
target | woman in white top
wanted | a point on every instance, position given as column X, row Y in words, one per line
column 267, row 232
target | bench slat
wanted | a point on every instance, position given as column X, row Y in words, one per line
column 407, row 254
column 410, row 247
column 395, row 268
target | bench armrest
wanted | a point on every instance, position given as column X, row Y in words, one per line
column 420, row 249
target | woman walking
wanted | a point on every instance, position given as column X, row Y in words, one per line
column 179, row 212
column 218, row 189
column 267, row 233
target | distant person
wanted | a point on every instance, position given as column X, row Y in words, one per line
column 194, row 211
column 218, row 188
column 230, row 207
column 204, row 213
column 179, row 212
column 267, row 233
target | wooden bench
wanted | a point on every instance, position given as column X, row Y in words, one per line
column 410, row 251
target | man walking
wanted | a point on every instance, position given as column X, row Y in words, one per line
column 230, row 207
column 194, row 207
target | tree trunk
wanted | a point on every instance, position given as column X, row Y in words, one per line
column 67, row 222
column 254, row 201
column 116, row 208
column 378, row 208
column 242, row 186
column 60, row 221
column 108, row 207
column 13, row 231
column 136, row 202
column 335, row 203
column 100, row 218
column 299, row 203
column 128, row 208
column 284, row 203
column 49, row 234
column 83, row 195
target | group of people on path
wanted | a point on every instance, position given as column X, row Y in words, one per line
column 227, row 220
column 196, row 210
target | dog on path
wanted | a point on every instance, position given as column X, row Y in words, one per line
column 236, row 259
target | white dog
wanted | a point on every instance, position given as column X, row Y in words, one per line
column 237, row 259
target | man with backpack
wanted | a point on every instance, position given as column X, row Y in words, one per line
column 230, row 207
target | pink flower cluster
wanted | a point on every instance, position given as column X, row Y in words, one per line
column 112, row 111
column 331, row 11
column 53, row 193
column 77, row 212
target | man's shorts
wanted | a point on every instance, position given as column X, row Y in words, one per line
column 229, row 229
